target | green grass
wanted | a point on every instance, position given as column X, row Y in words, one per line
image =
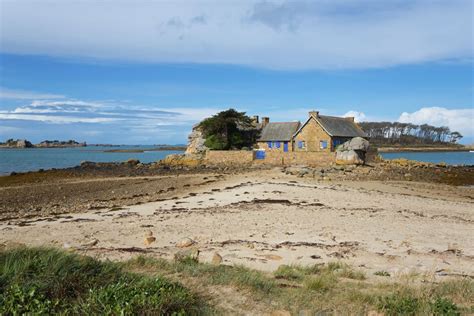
column 46, row 281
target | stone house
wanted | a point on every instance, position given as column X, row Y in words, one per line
column 318, row 133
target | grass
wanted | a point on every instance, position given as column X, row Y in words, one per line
column 48, row 281
column 35, row 281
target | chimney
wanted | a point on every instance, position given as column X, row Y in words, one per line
column 255, row 119
column 265, row 121
column 314, row 113
column 350, row 118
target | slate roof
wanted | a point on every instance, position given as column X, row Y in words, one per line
column 340, row 127
column 279, row 131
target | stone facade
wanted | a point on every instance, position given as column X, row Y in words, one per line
column 264, row 145
column 312, row 134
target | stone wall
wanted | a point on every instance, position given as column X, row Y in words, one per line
column 298, row 158
column 312, row 133
column 229, row 157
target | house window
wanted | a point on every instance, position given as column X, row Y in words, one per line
column 277, row 144
column 323, row 144
column 301, row 144
column 269, row 144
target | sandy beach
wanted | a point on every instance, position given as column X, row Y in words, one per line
column 265, row 218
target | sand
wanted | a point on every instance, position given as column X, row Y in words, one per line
column 265, row 219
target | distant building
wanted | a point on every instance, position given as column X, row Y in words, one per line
column 318, row 134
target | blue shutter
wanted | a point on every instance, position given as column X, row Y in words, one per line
column 269, row 144
column 300, row 144
column 324, row 144
column 277, row 144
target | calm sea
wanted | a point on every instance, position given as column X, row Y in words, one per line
column 31, row 159
column 449, row 157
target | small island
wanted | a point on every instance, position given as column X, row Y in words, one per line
column 23, row 143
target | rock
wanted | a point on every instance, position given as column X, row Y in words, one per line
column 187, row 254
column 348, row 157
column 356, row 143
column 132, row 162
column 352, row 152
column 177, row 160
column 196, row 142
column 187, row 242
column 148, row 233
column 216, row 259
column 149, row 240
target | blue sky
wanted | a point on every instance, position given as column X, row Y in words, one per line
column 144, row 72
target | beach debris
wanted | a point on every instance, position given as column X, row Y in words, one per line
column 186, row 242
column 90, row 243
column 149, row 238
column 187, row 254
column 216, row 259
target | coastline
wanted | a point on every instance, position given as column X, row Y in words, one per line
column 423, row 149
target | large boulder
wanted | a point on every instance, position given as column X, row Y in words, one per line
column 349, row 157
column 352, row 152
column 356, row 143
column 196, row 142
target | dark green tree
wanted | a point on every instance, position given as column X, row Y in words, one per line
column 228, row 129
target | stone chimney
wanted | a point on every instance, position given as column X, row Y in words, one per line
column 255, row 119
column 265, row 121
column 350, row 118
column 314, row 113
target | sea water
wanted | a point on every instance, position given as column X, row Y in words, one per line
column 449, row 157
column 32, row 159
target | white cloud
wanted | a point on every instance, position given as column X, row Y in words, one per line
column 461, row 120
column 358, row 116
column 78, row 111
column 26, row 95
column 305, row 34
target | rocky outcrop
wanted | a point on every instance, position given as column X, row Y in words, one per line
column 23, row 143
column 196, row 142
column 352, row 152
column 186, row 160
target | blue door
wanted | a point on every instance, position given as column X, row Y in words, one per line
column 260, row 154
column 285, row 146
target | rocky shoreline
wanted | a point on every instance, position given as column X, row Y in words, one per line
column 89, row 185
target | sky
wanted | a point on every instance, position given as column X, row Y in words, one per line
column 144, row 72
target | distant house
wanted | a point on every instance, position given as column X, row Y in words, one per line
column 318, row 133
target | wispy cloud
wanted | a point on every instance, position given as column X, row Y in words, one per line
column 78, row 111
column 302, row 34
column 6, row 93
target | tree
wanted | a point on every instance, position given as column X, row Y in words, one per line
column 454, row 137
column 228, row 129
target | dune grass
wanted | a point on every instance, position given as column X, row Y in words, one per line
column 49, row 281
column 333, row 287
column 37, row 280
